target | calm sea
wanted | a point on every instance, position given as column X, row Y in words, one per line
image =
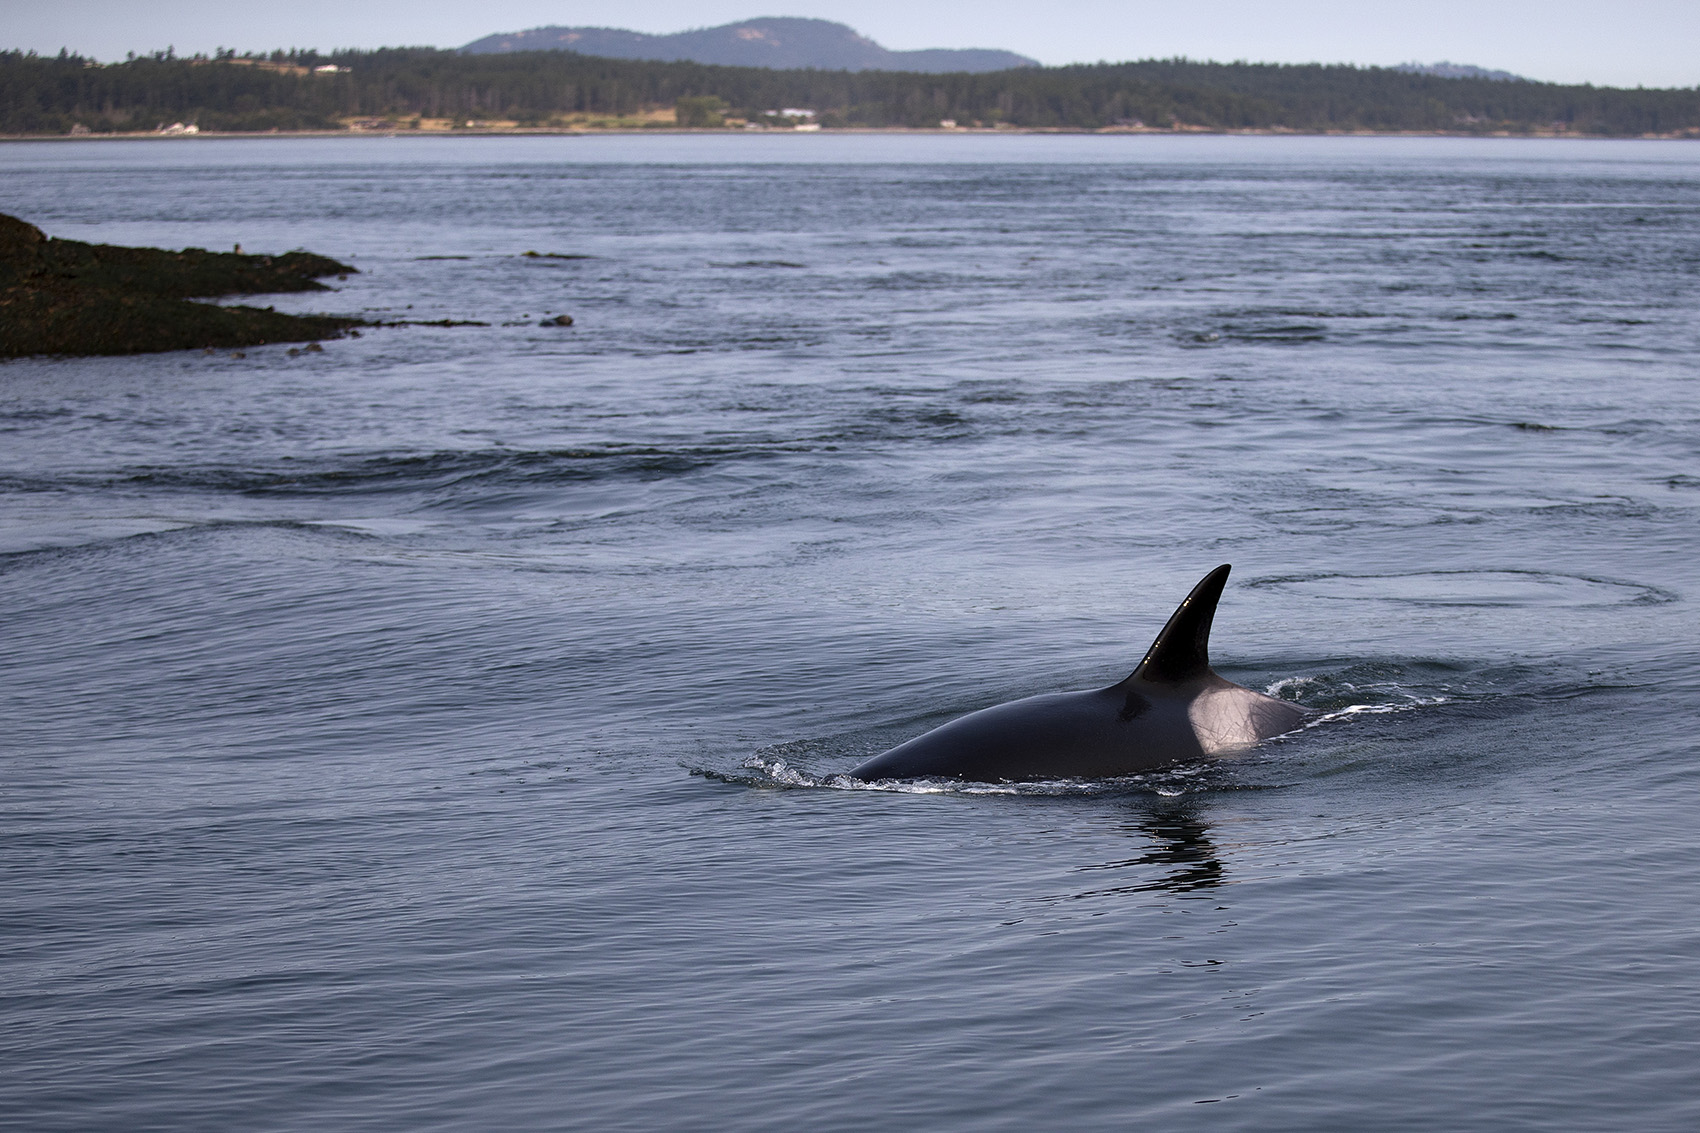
column 439, row 732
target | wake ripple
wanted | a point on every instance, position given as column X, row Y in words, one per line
column 775, row 772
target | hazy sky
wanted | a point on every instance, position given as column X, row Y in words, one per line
column 1627, row 43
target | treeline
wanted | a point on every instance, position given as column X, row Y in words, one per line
column 58, row 95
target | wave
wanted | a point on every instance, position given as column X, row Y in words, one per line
column 1472, row 588
column 422, row 471
column 173, row 532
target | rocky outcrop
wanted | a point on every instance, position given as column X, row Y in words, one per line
column 68, row 297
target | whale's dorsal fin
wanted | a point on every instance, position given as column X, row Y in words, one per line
column 1182, row 651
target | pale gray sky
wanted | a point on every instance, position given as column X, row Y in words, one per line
column 1628, row 43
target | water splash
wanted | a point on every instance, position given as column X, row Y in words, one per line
column 771, row 771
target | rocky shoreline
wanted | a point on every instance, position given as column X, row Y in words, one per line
column 70, row 298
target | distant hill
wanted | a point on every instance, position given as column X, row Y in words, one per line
column 1458, row 71
column 783, row 43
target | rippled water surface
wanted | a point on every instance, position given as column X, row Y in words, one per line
column 445, row 730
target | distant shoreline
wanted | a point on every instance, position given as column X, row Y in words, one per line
column 1112, row 131
column 560, row 92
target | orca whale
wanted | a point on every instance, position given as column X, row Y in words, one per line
column 1172, row 709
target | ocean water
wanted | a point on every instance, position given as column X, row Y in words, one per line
column 444, row 731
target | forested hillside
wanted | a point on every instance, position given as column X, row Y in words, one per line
column 59, row 95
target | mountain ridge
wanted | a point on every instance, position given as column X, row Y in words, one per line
column 778, row 42
column 1446, row 70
